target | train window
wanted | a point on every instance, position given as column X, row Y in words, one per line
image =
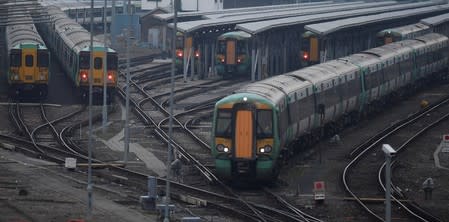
column 42, row 58
column 264, row 124
column 98, row 63
column 223, row 125
column 84, row 61
column 241, row 47
column 29, row 61
column 222, row 47
column 15, row 58
column 112, row 62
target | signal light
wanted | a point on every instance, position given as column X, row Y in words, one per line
column 305, row 56
column 110, row 76
column 179, row 54
column 84, row 76
column 239, row 60
column 222, row 60
column 197, row 54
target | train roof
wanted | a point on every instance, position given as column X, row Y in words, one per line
column 269, row 92
column 218, row 13
column 360, row 59
column 436, row 20
column 333, row 26
column 433, row 38
column 258, row 27
column 239, row 35
column 23, row 34
column 74, row 35
column 406, row 29
column 213, row 23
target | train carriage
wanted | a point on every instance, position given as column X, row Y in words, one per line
column 307, row 102
column 233, row 54
column 28, row 60
column 70, row 42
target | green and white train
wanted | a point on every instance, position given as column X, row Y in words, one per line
column 254, row 128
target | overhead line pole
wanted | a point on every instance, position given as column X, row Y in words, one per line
column 89, row 146
column 127, row 35
column 105, row 71
column 170, row 128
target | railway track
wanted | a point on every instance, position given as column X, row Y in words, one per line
column 368, row 159
column 159, row 127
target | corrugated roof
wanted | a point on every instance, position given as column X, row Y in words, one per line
column 333, row 26
column 195, row 25
column 165, row 17
column 257, row 27
column 436, row 20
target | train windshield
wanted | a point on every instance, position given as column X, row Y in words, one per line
column 112, row 62
column 84, row 61
column 15, row 58
column 98, row 63
column 242, row 47
column 264, row 124
column 223, row 124
column 29, row 61
column 221, row 47
column 42, row 58
column 179, row 42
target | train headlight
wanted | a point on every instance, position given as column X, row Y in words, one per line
column 226, row 149
column 265, row 149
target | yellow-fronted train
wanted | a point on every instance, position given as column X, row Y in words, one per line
column 70, row 43
column 28, row 60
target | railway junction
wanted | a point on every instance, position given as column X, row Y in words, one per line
column 346, row 168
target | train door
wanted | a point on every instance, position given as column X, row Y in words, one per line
column 243, row 134
column 230, row 52
column 29, row 64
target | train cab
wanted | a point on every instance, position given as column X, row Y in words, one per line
column 309, row 54
column 233, row 54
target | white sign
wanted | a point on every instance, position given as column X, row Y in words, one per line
column 445, row 144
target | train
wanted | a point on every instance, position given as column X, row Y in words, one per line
column 257, row 128
column 182, row 43
column 70, row 43
column 28, row 60
column 401, row 33
column 233, row 54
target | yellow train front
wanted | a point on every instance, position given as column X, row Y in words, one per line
column 28, row 61
column 81, row 76
column 70, row 43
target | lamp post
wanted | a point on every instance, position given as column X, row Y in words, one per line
column 89, row 145
column 105, row 71
column 389, row 153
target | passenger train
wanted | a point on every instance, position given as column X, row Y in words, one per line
column 254, row 128
column 28, row 60
column 70, row 43
column 233, row 54
column 402, row 33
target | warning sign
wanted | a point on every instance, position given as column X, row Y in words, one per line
column 318, row 190
column 445, row 144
